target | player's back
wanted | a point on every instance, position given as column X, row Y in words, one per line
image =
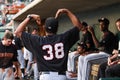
column 51, row 51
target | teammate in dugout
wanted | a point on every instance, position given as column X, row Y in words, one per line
column 51, row 51
column 8, row 57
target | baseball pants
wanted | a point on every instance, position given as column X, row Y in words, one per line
column 84, row 64
column 52, row 76
column 71, row 65
column 6, row 74
column 21, row 59
column 36, row 72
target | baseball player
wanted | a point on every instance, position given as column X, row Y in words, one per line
column 113, row 63
column 8, row 57
column 82, row 50
column 106, row 45
column 51, row 51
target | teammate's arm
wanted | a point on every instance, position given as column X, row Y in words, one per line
column 16, row 68
column 22, row 25
column 72, row 17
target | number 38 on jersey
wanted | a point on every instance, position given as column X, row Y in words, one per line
column 56, row 51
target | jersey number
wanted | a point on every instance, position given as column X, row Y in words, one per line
column 57, row 49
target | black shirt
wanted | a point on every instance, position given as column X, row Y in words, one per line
column 108, row 42
column 87, row 39
column 8, row 54
column 51, row 51
column 18, row 43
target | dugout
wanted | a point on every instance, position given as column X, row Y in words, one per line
column 88, row 11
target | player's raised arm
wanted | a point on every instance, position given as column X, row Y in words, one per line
column 73, row 18
column 22, row 25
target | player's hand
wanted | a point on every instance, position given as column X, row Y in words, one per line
column 109, row 61
column 115, row 51
column 61, row 11
column 114, row 62
column 16, row 74
column 72, row 75
column 90, row 29
column 37, row 18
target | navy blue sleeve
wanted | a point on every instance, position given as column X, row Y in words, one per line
column 71, row 36
column 18, row 43
column 15, row 54
column 30, row 41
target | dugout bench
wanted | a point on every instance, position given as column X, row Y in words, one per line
column 94, row 72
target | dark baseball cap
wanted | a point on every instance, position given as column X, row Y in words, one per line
column 84, row 24
column 51, row 25
column 83, row 45
column 105, row 20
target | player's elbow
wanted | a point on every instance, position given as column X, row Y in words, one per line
column 18, row 34
column 79, row 26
